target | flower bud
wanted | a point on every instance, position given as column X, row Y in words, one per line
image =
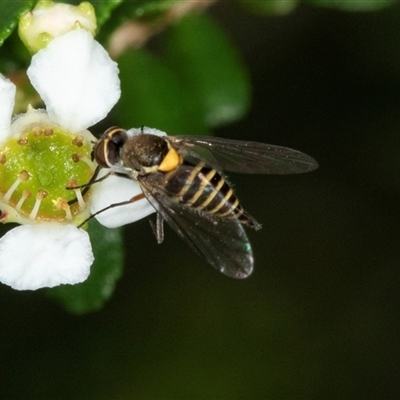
column 49, row 20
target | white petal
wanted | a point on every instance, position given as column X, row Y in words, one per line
column 115, row 189
column 44, row 255
column 76, row 79
column 145, row 129
column 7, row 99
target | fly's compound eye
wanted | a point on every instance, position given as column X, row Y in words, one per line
column 108, row 148
column 100, row 153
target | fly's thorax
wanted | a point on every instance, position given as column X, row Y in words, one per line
column 149, row 153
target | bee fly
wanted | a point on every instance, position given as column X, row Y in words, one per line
column 181, row 177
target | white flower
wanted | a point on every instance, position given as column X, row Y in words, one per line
column 46, row 254
column 76, row 79
column 79, row 85
column 113, row 190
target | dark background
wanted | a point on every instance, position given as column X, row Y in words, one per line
column 319, row 316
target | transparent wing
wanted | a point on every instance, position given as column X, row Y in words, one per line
column 244, row 157
column 222, row 243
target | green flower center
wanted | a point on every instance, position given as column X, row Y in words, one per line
column 37, row 167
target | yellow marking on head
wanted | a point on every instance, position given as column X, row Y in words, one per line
column 170, row 162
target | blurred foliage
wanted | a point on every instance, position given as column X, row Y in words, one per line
column 352, row 5
column 147, row 85
column 197, row 83
column 281, row 7
column 270, row 7
column 10, row 13
column 206, row 62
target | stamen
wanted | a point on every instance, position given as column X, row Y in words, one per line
column 23, row 139
column 3, row 158
column 23, row 176
column 68, row 213
column 79, row 157
column 79, row 197
column 62, row 204
column 40, row 195
column 73, row 185
column 78, row 140
column 24, row 196
column 38, row 131
column 48, row 131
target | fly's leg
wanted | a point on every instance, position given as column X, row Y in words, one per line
column 139, row 196
column 92, row 181
column 158, row 228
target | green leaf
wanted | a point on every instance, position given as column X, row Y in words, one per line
column 103, row 9
column 11, row 10
column 127, row 10
column 145, row 8
column 270, row 7
column 105, row 271
column 153, row 95
column 353, row 5
column 208, row 65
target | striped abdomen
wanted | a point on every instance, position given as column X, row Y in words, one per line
column 204, row 189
